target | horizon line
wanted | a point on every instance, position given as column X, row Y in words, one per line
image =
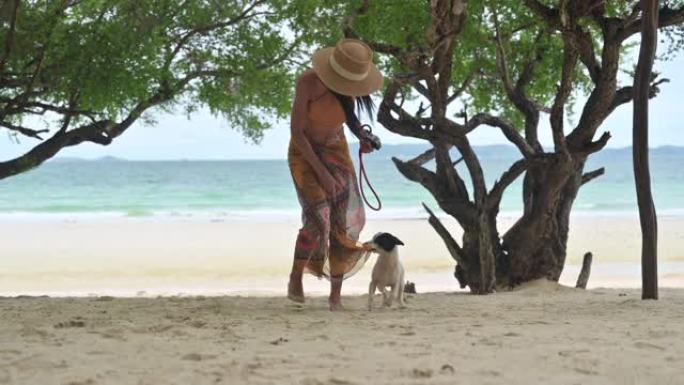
column 118, row 158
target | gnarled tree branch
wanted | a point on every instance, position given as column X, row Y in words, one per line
column 507, row 129
column 589, row 176
column 508, row 177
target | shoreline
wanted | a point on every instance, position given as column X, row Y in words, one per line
column 281, row 215
column 170, row 257
column 616, row 275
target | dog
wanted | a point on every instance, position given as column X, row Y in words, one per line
column 388, row 271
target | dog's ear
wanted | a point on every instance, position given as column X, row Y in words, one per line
column 396, row 240
column 387, row 241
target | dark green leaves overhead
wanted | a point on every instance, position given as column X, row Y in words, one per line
column 109, row 55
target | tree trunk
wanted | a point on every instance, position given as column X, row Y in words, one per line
column 583, row 277
column 536, row 245
column 642, row 177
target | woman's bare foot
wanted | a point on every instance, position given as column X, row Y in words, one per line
column 295, row 290
column 335, row 304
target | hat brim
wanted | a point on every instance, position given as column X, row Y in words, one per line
column 321, row 65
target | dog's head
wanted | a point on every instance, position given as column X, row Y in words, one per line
column 384, row 242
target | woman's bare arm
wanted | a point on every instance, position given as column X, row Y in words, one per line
column 304, row 91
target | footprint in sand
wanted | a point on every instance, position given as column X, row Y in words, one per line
column 279, row 341
column 447, row 369
column 154, row 328
column 30, row 331
column 198, row 357
column 647, row 345
column 73, row 323
column 339, row 381
column 421, row 373
column 89, row 381
column 104, row 298
column 570, row 353
column 197, row 324
column 330, row 381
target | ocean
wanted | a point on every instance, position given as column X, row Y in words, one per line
column 263, row 188
column 121, row 227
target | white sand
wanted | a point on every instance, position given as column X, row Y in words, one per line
column 131, row 256
column 541, row 334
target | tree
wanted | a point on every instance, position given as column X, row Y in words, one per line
column 76, row 71
column 507, row 63
column 642, row 176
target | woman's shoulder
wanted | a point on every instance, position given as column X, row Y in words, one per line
column 309, row 82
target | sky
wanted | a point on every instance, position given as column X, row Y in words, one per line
column 206, row 137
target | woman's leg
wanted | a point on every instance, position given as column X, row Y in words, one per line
column 336, row 275
column 310, row 250
column 295, row 288
column 335, row 299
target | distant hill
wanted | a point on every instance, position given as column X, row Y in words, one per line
column 70, row 159
column 408, row 151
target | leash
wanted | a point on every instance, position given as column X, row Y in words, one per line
column 364, row 175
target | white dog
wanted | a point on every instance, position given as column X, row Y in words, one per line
column 388, row 271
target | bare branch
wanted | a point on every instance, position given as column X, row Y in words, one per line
column 597, row 145
column 666, row 17
column 570, row 57
column 507, row 129
column 31, row 133
column 501, row 58
column 585, row 46
column 508, row 177
column 549, row 14
column 474, row 169
column 405, row 124
column 526, row 74
column 461, row 209
column 9, row 38
column 455, row 250
column 464, row 86
column 348, row 30
column 348, row 22
column 417, row 174
column 204, row 29
column 588, row 177
column 516, row 92
column 447, row 173
column 424, row 157
column 625, row 94
column 24, row 107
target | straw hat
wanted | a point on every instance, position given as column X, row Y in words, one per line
column 347, row 68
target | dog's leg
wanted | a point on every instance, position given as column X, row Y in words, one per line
column 385, row 296
column 400, row 295
column 392, row 294
column 371, row 293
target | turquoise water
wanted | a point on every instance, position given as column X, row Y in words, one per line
column 149, row 188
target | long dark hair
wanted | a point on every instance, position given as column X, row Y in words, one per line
column 363, row 103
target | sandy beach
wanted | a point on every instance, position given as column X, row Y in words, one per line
column 79, row 256
column 200, row 301
column 539, row 334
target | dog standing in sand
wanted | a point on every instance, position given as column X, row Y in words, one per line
column 388, row 271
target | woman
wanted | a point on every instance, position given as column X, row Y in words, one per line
column 321, row 166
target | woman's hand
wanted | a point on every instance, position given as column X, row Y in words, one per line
column 328, row 182
column 366, row 147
